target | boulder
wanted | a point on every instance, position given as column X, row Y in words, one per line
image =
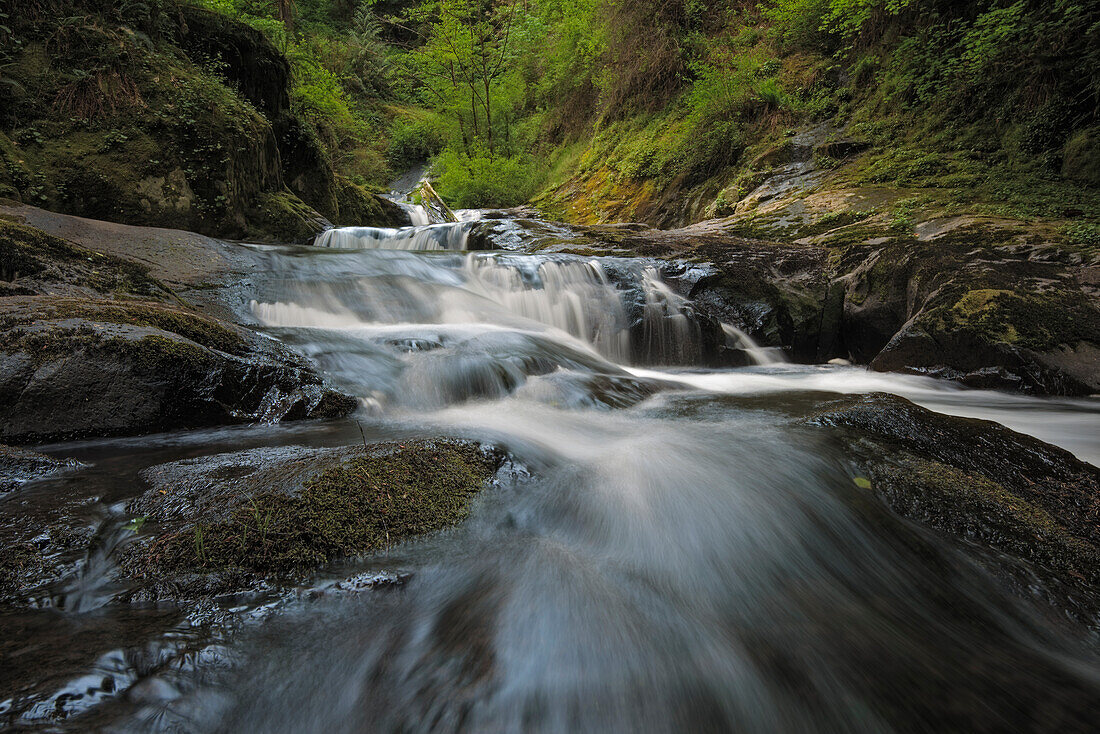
column 1023, row 508
column 234, row 521
column 20, row 466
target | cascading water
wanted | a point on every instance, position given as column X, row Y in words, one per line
column 418, row 215
column 697, row 559
column 444, row 236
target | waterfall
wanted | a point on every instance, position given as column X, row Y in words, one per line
column 759, row 355
column 573, row 296
column 418, row 215
column 446, row 236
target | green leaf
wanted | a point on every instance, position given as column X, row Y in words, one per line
column 862, row 482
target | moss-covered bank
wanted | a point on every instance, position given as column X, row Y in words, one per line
column 164, row 114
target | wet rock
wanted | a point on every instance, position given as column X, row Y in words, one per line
column 42, row 541
column 359, row 207
column 985, row 302
column 80, row 378
column 1008, row 497
column 236, row 522
column 105, row 348
column 19, row 466
column 841, row 149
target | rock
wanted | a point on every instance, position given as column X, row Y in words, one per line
column 249, row 60
column 76, row 362
column 79, row 378
column 359, row 207
column 1004, row 493
column 987, row 302
column 19, row 466
column 160, row 142
column 234, row 521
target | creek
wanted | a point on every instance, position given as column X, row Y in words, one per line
column 674, row 547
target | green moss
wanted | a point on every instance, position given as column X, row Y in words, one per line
column 151, row 353
column 1081, row 157
column 362, row 505
column 283, row 216
column 361, row 208
column 119, row 129
column 1038, row 321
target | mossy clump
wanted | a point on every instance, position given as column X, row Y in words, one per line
column 362, row 505
column 1033, row 320
column 150, row 353
column 283, row 216
column 359, row 207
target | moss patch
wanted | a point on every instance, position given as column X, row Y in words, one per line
column 1037, row 321
column 359, row 506
column 151, row 353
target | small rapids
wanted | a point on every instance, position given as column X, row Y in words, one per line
column 673, row 549
column 421, row 236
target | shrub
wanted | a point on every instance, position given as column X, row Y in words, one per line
column 474, row 181
column 413, row 141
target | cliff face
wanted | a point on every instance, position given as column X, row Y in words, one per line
column 183, row 123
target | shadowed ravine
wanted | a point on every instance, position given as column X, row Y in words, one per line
column 674, row 549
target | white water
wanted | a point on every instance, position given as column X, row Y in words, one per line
column 446, row 236
column 689, row 556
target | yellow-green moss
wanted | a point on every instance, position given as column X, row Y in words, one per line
column 151, row 353
column 1031, row 319
column 283, row 216
column 975, row 507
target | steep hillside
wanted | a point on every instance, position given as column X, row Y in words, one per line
column 975, row 107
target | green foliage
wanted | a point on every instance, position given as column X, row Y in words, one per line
column 1084, row 234
column 415, row 140
column 340, row 73
column 479, row 180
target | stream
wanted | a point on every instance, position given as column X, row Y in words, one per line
column 672, row 548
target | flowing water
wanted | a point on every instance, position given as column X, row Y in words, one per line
column 673, row 550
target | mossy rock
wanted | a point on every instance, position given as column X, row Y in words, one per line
column 361, row 208
column 978, row 482
column 280, row 513
column 30, row 255
column 283, row 217
column 1037, row 321
column 307, row 168
column 150, row 137
column 1081, row 157
column 19, row 466
column 204, row 331
column 77, row 378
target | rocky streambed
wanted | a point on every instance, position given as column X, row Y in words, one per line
column 614, row 451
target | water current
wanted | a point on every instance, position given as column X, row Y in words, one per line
column 673, row 550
